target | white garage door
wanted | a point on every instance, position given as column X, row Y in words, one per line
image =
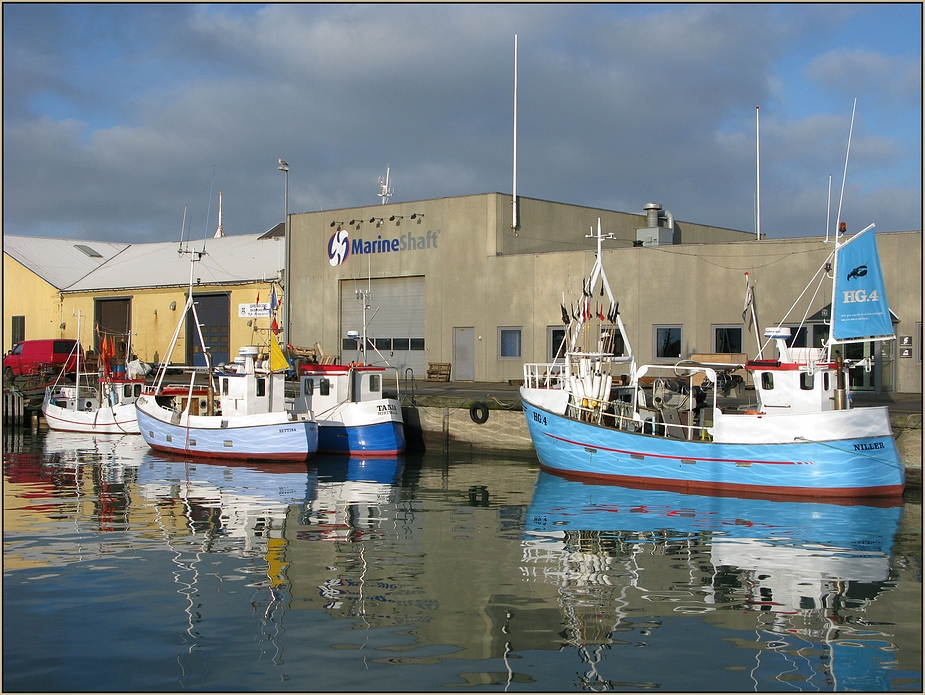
column 395, row 322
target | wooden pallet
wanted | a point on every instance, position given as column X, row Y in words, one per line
column 438, row 371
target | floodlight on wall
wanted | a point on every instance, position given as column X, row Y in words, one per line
column 377, row 220
column 356, row 222
column 395, row 217
column 173, row 306
column 417, row 215
column 337, row 224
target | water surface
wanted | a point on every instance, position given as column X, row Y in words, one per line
column 131, row 571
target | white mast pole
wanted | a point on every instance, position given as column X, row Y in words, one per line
column 845, row 175
column 757, row 175
column 516, row 222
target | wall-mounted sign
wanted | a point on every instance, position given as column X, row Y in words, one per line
column 905, row 340
column 341, row 246
column 254, row 311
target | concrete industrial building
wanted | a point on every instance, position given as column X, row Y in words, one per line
column 452, row 281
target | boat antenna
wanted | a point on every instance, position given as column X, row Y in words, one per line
column 182, row 230
column 845, row 175
column 828, row 210
column 208, row 212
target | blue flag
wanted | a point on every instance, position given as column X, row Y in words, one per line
column 860, row 308
column 273, row 301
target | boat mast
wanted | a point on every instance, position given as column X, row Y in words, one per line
column 840, row 230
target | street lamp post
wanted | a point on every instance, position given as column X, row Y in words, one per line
column 287, row 285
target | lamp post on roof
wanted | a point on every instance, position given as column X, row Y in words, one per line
column 284, row 167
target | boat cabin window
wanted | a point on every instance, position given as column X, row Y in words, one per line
column 374, row 384
column 261, row 387
column 307, row 386
column 225, row 386
column 324, row 387
column 137, row 390
column 825, row 381
column 767, row 381
column 806, row 381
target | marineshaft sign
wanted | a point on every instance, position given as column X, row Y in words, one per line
column 341, row 246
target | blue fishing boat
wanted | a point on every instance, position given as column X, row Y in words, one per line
column 356, row 405
column 354, row 408
column 595, row 415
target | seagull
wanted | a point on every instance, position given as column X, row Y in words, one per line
column 283, row 163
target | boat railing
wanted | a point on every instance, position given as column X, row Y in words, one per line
column 545, row 375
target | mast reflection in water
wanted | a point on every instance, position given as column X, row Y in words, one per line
column 128, row 570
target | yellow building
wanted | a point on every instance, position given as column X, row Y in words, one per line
column 136, row 292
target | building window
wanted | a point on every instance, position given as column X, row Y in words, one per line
column 727, row 339
column 612, row 340
column 554, row 347
column 417, row 343
column 383, row 343
column 668, row 341
column 509, row 343
column 797, row 337
column 349, row 344
column 18, row 329
column 401, row 344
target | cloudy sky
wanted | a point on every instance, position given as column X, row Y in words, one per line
column 116, row 117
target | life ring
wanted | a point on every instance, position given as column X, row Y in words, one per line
column 479, row 413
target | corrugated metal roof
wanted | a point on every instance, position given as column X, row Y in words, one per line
column 60, row 262
column 237, row 259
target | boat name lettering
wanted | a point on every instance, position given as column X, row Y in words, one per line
column 856, row 296
column 387, row 408
column 869, row 447
column 538, row 417
column 288, row 429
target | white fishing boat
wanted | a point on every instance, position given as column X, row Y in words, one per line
column 105, row 408
column 595, row 415
column 251, row 421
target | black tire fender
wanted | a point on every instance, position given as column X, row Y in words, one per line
column 479, row 413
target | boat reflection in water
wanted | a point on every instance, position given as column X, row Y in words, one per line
column 802, row 570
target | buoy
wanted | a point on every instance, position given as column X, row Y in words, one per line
column 479, row 413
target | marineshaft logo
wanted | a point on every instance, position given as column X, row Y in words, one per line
column 341, row 246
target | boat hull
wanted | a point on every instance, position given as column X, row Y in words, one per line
column 266, row 437
column 375, row 439
column 119, row 419
column 848, row 468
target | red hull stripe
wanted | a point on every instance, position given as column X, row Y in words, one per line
column 198, row 453
column 675, row 458
column 760, row 491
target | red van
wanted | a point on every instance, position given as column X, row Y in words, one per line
column 32, row 356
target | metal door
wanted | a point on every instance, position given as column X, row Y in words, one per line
column 215, row 320
column 463, row 354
